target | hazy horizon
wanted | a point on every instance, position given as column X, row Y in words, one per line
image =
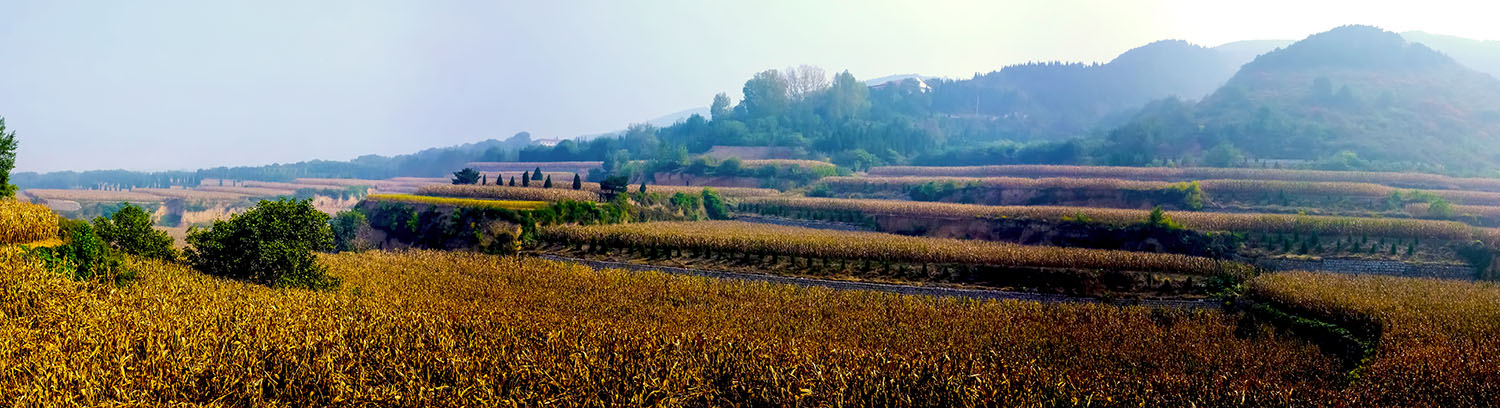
column 186, row 85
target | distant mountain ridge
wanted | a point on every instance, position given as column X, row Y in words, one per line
column 1051, row 101
column 1355, row 89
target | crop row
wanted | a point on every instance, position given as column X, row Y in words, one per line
column 765, row 239
column 561, row 192
column 250, row 191
column 194, row 194
column 451, row 329
column 1406, row 180
column 94, row 195
column 1210, row 186
column 22, row 223
column 784, row 163
column 508, row 193
column 458, row 202
column 854, row 209
column 1438, row 338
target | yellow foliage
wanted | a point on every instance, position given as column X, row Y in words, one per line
column 765, row 239
column 1235, row 222
column 22, row 223
column 442, row 329
column 1439, row 339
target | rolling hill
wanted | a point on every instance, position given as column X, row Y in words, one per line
column 1050, row 101
column 1354, row 89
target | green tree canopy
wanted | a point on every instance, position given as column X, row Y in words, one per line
column 271, row 244
column 466, row 176
column 766, row 94
column 129, row 231
column 7, row 161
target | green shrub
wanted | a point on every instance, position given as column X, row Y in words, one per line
column 714, row 205
column 84, row 256
column 271, row 244
column 1160, row 219
column 346, row 227
column 1189, row 195
column 129, row 231
column 1440, row 208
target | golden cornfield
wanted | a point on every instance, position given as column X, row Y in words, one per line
column 459, row 202
column 876, row 183
column 1439, row 340
column 250, row 191
column 23, row 223
column 429, row 328
column 192, row 194
column 94, row 195
column 753, row 163
column 1213, row 187
column 1404, row 180
column 765, row 239
column 509, row 193
column 1235, row 222
column 732, row 192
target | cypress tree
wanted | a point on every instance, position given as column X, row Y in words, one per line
column 577, row 182
column 547, row 184
column 526, row 179
column 512, row 181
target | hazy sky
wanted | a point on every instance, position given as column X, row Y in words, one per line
column 151, row 85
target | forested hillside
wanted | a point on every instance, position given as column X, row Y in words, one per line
column 1344, row 98
column 1065, row 100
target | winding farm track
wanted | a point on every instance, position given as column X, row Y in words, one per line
column 912, row 290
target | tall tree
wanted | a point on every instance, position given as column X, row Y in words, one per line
column 7, row 160
column 577, row 182
column 526, row 179
column 719, row 110
column 548, row 184
column 803, row 81
column 847, row 97
column 766, row 94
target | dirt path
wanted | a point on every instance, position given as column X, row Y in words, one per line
column 892, row 288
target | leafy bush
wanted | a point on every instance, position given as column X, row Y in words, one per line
column 84, row 257
column 714, row 205
column 346, row 227
column 129, row 231
column 1189, row 195
column 1440, row 208
column 271, row 244
column 1159, row 219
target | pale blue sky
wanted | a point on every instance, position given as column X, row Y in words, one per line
column 153, row 85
